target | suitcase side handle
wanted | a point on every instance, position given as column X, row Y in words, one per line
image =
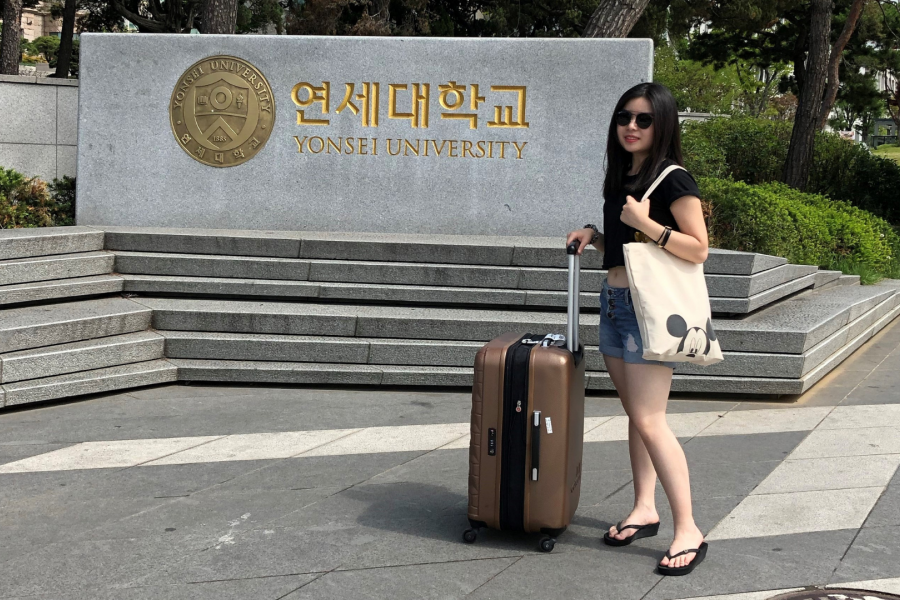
column 574, row 286
column 536, row 445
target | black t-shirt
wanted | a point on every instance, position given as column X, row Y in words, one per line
column 677, row 184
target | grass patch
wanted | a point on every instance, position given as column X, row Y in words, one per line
column 891, row 151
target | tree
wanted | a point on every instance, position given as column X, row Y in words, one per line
column 806, row 121
column 787, row 31
column 65, row 43
column 10, row 52
column 156, row 16
column 888, row 60
column 698, row 87
column 258, row 15
column 219, row 16
column 858, row 100
column 358, row 17
column 615, row 18
column 99, row 15
column 834, row 60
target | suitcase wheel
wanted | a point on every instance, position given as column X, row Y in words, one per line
column 547, row 544
column 469, row 536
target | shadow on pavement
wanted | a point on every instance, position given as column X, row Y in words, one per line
column 434, row 512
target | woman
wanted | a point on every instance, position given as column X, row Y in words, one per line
column 644, row 138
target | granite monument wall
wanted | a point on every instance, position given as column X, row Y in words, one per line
column 392, row 135
column 38, row 129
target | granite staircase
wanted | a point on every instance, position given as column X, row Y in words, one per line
column 366, row 309
column 64, row 328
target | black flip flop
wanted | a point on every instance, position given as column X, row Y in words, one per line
column 641, row 531
column 675, row 571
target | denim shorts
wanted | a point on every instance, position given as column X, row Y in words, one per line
column 620, row 335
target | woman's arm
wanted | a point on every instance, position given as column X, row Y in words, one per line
column 691, row 243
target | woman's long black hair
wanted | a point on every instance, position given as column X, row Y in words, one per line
column 666, row 140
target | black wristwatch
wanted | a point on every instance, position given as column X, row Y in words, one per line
column 596, row 235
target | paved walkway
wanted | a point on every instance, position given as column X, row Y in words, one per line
column 265, row 492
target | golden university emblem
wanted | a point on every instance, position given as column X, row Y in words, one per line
column 222, row 111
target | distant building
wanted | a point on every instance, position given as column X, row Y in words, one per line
column 885, row 132
column 37, row 22
column 696, row 116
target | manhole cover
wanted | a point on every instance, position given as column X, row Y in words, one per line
column 835, row 594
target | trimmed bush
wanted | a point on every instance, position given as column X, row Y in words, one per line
column 30, row 202
column 754, row 151
column 808, row 229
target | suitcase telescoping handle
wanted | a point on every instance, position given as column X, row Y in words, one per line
column 574, row 309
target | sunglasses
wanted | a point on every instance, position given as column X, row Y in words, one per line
column 643, row 120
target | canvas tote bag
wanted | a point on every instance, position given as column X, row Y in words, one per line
column 671, row 302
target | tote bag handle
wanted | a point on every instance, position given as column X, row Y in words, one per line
column 659, row 180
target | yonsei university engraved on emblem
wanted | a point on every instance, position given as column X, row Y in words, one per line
column 222, row 111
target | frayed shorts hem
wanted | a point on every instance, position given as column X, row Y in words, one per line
column 633, row 358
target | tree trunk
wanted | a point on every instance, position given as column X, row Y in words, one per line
column 834, row 62
column 219, row 16
column 10, row 53
column 614, row 18
column 803, row 136
column 65, row 43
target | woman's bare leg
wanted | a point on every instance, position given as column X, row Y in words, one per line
column 644, row 475
column 648, row 393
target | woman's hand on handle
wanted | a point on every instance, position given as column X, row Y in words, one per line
column 583, row 235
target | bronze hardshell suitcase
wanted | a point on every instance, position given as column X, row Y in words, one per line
column 527, row 430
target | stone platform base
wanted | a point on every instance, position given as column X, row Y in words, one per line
column 85, row 310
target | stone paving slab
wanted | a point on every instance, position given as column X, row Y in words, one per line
column 775, row 561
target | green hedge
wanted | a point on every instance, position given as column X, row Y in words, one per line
column 30, row 202
column 754, row 151
column 810, row 229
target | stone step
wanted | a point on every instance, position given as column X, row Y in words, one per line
column 848, row 280
column 45, row 241
column 746, row 286
column 797, row 324
column 420, row 274
column 60, row 288
column 63, row 266
column 792, row 366
column 193, row 265
column 448, row 353
column 64, row 322
column 338, row 374
column 852, row 345
column 432, row 376
column 81, row 356
column 792, row 326
column 446, row 249
column 90, row 382
column 736, row 306
column 409, row 294
column 428, row 353
column 826, row 278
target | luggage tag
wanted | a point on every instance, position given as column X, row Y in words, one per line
column 549, row 425
column 553, row 339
